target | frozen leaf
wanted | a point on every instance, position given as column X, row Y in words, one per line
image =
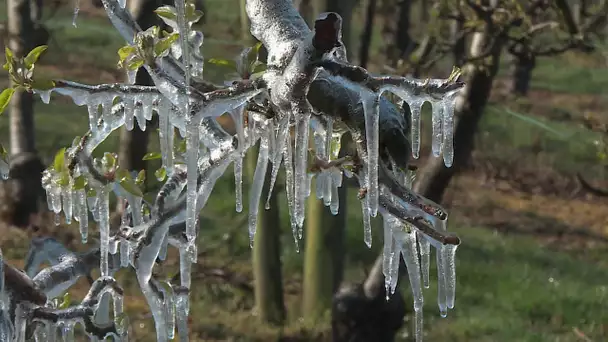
column 80, row 183
column 160, row 174
column 59, row 160
column 141, row 177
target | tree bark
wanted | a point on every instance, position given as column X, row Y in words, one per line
column 521, row 69
column 366, row 36
column 345, row 9
column 24, row 187
column 269, row 304
column 404, row 43
column 324, row 255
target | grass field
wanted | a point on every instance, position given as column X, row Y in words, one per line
column 514, row 283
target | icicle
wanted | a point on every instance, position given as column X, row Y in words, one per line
column 131, row 77
column 437, row 139
column 76, row 10
column 66, row 196
column 192, row 142
column 124, row 253
column 138, row 113
column 288, row 156
column 45, row 95
column 166, row 135
column 448, row 131
column 409, row 251
column 83, row 215
column 425, row 258
column 182, row 308
column 441, row 284
column 104, row 228
column 186, row 255
column 277, row 156
column 300, row 164
column 450, row 271
column 170, row 310
column 20, row 322
column 416, row 109
column 68, row 332
column 56, row 199
column 387, row 251
column 237, row 117
column 335, row 200
column 371, row 108
column 367, row 224
column 256, row 188
column 394, row 269
column 238, row 183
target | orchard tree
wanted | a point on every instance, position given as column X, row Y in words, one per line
column 307, row 85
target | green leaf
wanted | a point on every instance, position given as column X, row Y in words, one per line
column 129, row 185
column 152, row 156
column 135, row 63
column 126, row 51
column 181, row 146
column 91, row 193
column 335, row 147
column 141, row 177
column 192, row 14
column 223, row 63
column 254, row 53
column 64, row 178
column 257, row 67
column 43, row 84
column 10, row 60
column 167, row 12
column 123, row 174
column 80, row 183
column 160, row 174
column 34, row 55
column 65, row 303
column 59, row 160
column 5, row 98
column 165, row 44
column 109, row 161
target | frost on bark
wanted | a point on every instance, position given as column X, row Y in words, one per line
column 309, row 88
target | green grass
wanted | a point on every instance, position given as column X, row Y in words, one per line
column 510, row 289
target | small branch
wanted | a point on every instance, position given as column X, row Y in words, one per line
column 415, row 86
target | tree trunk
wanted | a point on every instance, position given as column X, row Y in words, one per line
column 345, row 9
column 267, row 274
column 434, row 178
column 356, row 308
column 404, row 43
column 366, row 36
column 324, row 256
column 522, row 67
column 24, row 187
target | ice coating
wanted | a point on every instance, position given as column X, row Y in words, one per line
column 257, row 186
column 210, row 150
